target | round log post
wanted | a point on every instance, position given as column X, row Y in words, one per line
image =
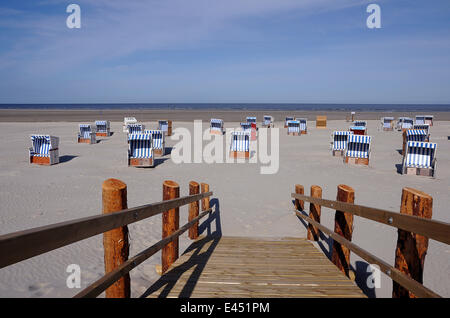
column 343, row 225
column 194, row 188
column 115, row 242
column 404, row 143
column 412, row 248
column 170, row 223
column 314, row 213
column 205, row 201
column 299, row 204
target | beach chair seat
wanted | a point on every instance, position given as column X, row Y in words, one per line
column 339, row 142
column 140, row 150
column 240, row 144
column 387, row 123
column 293, row 128
column 127, row 121
column 429, row 120
column 420, row 158
column 359, row 127
column 158, row 142
column 358, row 149
column 267, row 121
column 86, row 134
column 287, row 120
column 44, row 150
column 135, row 128
column 102, row 128
column 216, row 126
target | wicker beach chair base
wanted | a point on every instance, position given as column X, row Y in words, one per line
column 240, row 154
column 304, row 132
column 294, row 133
column 357, row 161
column 215, row 132
column 158, row 152
column 140, row 162
column 86, row 141
column 338, row 153
column 102, row 134
column 427, row 172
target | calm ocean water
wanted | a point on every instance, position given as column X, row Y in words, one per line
column 329, row 107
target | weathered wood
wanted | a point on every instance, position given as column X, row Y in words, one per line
column 169, row 128
column 343, row 225
column 299, row 204
column 314, row 213
column 411, row 247
column 170, row 224
column 205, row 200
column 436, row 230
column 194, row 188
column 115, row 242
column 21, row 245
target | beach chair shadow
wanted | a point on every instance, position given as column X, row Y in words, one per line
column 400, row 151
column 399, row 168
column 168, row 150
column 159, row 161
column 66, row 158
column 196, row 262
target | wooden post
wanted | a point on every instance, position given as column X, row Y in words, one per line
column 412, row 248
column 205, row 201
column 404, row 143
column 115, row 242
column 314, row 213
column 169, row 128
column 343, row 225
column 170, row 223
column 299, row 204
column 194, row 188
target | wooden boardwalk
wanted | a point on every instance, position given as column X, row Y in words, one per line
column 253, row 267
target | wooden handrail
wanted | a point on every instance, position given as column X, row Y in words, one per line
column 436, row 230
column 18, row 246
column 396, row 275
column 108, row 279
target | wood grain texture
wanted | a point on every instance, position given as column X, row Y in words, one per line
column 170, row 224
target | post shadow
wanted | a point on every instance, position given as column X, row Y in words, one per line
column 196, row 262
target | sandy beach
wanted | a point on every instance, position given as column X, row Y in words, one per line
column 250, row 203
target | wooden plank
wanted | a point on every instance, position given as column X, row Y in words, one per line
column 18, row 246
column 436, row 230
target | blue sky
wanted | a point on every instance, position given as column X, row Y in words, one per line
column 213, row 51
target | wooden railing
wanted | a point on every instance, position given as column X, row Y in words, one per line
column 414, row 225
column 19, row 246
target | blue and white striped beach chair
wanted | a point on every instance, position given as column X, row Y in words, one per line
column 140, row 150
column 86, row 134
column 420, row 120
column 127, row 121
column 246, row 127
column 102, row 128
column 303, row 125
column 44, row 149
column 425, row 127
column 416, row 135
column 407, row 123
column 240, row 144
column 339, row 142
column 267, row 121
column 287, row 120
column 293, row 128
column 251, row 119
column 420, row 158
column 358, row 149
column 216, row 126
column 136, row 128
column 387, row 123
column 158, row 142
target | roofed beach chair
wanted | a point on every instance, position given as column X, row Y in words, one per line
column 267, row 121
column 425, row 127
column 158, row 142
column 44, row 150
column 321, row 121
column 407, row 123
column 102, row 128
column 414, row 135
column 246, row 127
column 216, row 126
column 240, row 145
column 358, row 149
column 135, row 128
column 127, row 121
column 165, row 126
column 420, row 159
column 293, row 128
column 86, row 134
column 303, row 125
column 339, row 142
column 286, row 121
column 429, row 120
column 387, row 123
column 420, row 120
column 359, row 127
column 251, row 119
column 140, row 150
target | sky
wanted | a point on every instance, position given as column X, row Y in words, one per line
column 225, row 51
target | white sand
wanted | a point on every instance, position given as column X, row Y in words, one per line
column 251, row 204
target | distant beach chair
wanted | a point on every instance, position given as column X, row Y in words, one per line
column 158, row 142
column 286, row 121
column 358, row 149
column 267, row 121
column 359, row 127
column 303, row 125
column 86, row 134
column 339, row 142
column 216, row 126
column 246, row 127
column 407, row 123
column 102, row 128
column 251, row 119
column 420, row 120
column 44, row 150
column 387, row 123
column 240, row 145
column 140, row 150
column 419, row 135
column 127, row 121
column 321, row 121
column 165, row 126
column 420, row 159
column 429, row 120
column 135, row 128
column 293, row 128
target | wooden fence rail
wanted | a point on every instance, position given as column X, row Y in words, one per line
column 414, row 231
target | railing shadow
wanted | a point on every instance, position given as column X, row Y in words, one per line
column 201, row 250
